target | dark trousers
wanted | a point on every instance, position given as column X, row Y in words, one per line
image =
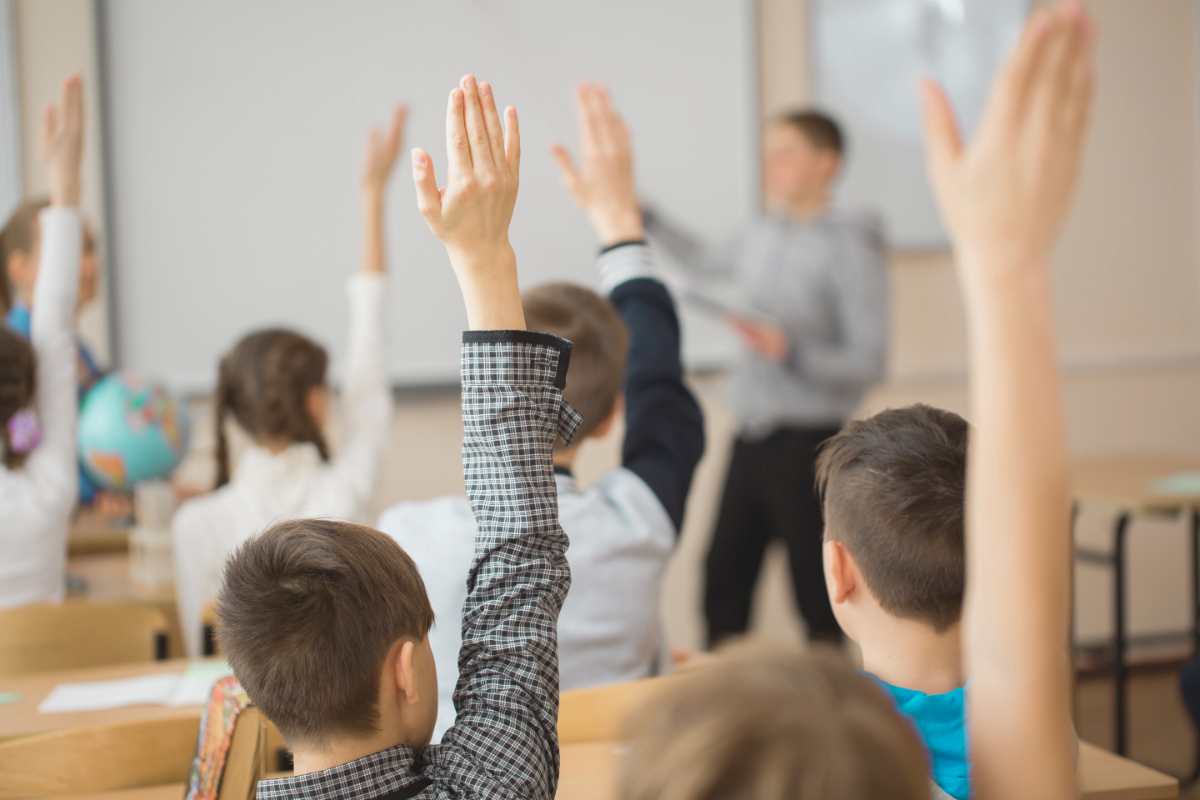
column 769, row 494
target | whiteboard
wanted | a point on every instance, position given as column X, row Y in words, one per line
column 869, row 56
column 235, row 135
column 11, row 184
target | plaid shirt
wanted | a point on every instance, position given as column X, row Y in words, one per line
column 505, row 741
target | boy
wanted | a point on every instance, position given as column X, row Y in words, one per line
column 326, row 623
column 623, row 527
column 821, row 276
column 1003, row 196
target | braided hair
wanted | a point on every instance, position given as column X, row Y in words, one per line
column 17, row 380
column 263, row 383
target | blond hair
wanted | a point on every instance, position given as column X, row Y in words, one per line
column 765, row 722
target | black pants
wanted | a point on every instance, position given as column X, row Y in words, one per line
column 769, row 494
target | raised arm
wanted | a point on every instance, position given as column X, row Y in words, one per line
column 504, row 743
column 52, row 465
column 664, row 428
column 367, row 406
column 1004, row 196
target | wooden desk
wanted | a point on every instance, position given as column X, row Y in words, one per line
column 21, row 718
column 92, row 533
column 106, row 577
column 1126, row 483
column 589, row 772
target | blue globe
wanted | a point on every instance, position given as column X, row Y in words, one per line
column 130, row 431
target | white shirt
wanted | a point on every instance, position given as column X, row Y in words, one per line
column 608, row 631
column 270, row 487
column 36, row 500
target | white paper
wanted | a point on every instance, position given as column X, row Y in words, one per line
column 98, row 695
column 195, row 685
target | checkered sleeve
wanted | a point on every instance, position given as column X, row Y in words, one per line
column 504, row 743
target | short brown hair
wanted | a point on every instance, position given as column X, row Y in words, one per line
column 821, row 130
column 18, row 374
column 307, row 612
column 894, row 488
column 263, row 383
column 766, row 722
column 601, row 345
column 18, row 236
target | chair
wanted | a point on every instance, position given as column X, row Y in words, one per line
column 597, row 714
column 208, row 630
column 123, row 755
column 76, row 634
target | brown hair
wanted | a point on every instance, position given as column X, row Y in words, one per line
column 264, row 383
column 17, row 383
column 19, row 236
column 766, row 722
column 893, row 488
column 307, row 612
column 821, row 130
column 601, row 345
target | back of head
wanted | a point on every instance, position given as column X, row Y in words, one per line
column 600, row 345
column 894, row 489
column 17, row 383
column 822, row 130
column 264, row 383
column 308, row 610
column 19, row 236
column 765, row 722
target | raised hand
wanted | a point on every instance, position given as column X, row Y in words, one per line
column 602, row 184
column 62, row 143
column 382, row 151
column 471, row 214
column 1004, row 195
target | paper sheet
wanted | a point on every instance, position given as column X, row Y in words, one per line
column 1179, row 483
column 189, row 689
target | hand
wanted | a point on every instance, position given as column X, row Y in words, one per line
column 603, row 185
column 764, row 338
column 382, row 150
column 472, row 213
column 1005, row 194
column 62, row 144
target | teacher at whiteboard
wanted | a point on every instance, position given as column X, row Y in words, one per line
column 816, row 281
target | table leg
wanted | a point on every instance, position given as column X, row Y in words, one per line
column 1119, row 667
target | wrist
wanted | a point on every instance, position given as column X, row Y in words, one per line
column 487, row 278
column 623, row 226
column 65, row 194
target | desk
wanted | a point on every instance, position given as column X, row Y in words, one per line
column 92, row 533
column 1127, row 484
column 21, row 718
column 589, row 772
column 106, row 577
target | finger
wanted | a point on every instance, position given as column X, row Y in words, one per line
column 512, row 140
column 457, row 148
column 566, row 166
column 429, row 199
column 943, row 141
column 1012, row 86
column 491, row 119
column 587, row 143
column 614, row 124
column 1049, row 88
column 49, row 129
column 597, row 120
column 481, row 150
column 72, row 104
column 396, row 131
column 1078, row 104
column 372, row 147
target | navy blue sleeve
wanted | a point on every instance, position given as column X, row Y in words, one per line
column 664, row 427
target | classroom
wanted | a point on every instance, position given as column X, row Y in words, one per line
column 685, row 399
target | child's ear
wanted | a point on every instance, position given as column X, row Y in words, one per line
column 406, row 673
column 316, row 403
column 841, row 577
column 606, row 424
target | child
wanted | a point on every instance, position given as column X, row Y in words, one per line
column 38, row 403
column 273, row 385
column 326, row 623
column 821, row 275
column 623, row 527
column 1003, row 197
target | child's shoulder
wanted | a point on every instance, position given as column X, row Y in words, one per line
column 203, row 512
column 619, row 499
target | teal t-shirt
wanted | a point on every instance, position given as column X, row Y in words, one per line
column 941, row 720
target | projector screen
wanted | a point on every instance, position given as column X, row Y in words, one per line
column 235, row 135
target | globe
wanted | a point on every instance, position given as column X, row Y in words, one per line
column 130, row 431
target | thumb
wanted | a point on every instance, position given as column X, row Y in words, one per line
column 429, row 199
column 566, row 166
column 943, row 142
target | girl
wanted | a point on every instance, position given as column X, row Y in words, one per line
column 38, row 478
column 273, row 385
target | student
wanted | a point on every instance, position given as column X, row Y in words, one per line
column 273, row 385
column 821, row 275
column 38, row 404
column 1003, row 197
column 326, row 624
column 624, row 526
